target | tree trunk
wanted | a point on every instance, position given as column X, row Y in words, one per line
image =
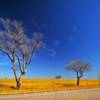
column 78, row 81
column 18, row 81
column 18, row 84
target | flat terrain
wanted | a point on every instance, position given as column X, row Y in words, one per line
column 7, row 86
column 85, row 94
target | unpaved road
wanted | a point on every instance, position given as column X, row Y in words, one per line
column 85, row 94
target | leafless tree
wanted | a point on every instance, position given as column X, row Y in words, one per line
column 58, row 77
column 19, row 47
column 98, row 76
column 79, row 67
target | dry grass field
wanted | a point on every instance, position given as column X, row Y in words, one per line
column 7, row 86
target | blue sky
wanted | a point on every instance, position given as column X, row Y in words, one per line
column 71, row 31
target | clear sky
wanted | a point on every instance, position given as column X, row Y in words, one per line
column 71, row 31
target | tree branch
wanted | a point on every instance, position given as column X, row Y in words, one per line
column 19, row 63
column 34, row 48
column 7, row 54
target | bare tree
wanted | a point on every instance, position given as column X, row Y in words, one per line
column 79, row 67
column 18, row 46
column 98, row 76
column 58, row 77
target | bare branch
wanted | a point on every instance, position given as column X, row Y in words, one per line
column 7, row 54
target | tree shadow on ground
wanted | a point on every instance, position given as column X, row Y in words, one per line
column 5, row 86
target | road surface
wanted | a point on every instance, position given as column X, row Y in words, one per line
column 84, row 94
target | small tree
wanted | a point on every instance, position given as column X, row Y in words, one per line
column 58, row 77
column 79, row 67
column 18, row 46
column 98, row 76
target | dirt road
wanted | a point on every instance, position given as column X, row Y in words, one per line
column 85, row 94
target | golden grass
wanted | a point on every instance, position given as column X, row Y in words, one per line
column 7, row 86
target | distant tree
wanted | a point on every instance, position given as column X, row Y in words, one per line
column 58, row 77
column 79, row 67
column 18, row 46
column 98, row 76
